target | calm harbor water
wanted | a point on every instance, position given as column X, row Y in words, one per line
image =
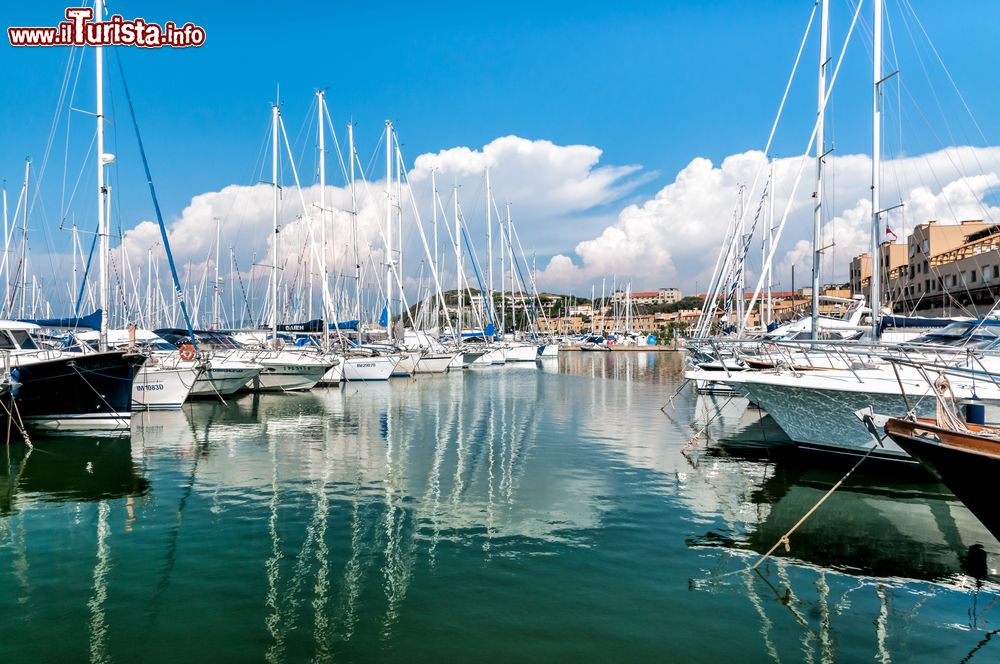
column 517, row 513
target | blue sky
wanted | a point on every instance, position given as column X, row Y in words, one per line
column 655, row 84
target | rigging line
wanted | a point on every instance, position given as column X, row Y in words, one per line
column 84, row 166
column 947, row 73
column 964, row 179
column 156, row 206
column 920, row 60
column 336, row 141
column 798, row 177
column 63, row 88
column 69, row 119
column 938, row 105
column 703, row 322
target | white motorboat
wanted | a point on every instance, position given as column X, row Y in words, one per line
column 816, row 408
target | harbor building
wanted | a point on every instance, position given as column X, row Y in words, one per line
column 660, row 296
column 941, row 270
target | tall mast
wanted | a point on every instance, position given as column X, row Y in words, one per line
column 510, row 256
column 102, row 229
column 354, row 225
column 820, row 155
column 388, row 227
column 458, row 265
column 321, row 105
column 6, row 257
column 399, row 223
column 434, row 212
column 489, row 240
column 24, row 240
column 503, row 271
column 275, row 114
column 876, row 164
column 218, row 283
column 741, row 268
column 603, row 284
column 232, row 287
column 770, row 242
column 149, row 283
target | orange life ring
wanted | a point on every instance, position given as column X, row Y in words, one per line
column 187, row 352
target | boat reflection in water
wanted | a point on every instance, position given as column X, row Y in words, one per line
column 495, row 511
column 883, row 540
column 359, row 491
column 884, row 521
column 69, row 468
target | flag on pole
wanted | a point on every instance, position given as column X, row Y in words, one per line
column 383, row 319
column 889, row 233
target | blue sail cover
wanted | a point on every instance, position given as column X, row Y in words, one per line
column 91, row 322
column 316, row 325
column 886, row 322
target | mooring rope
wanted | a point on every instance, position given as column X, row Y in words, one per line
column 784, row 538
column 99, row 395
column 718, row 412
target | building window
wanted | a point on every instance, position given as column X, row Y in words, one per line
column 927, row 285
column 986, row 274
column 926, row 246
column 972, row 276
column 926, row 267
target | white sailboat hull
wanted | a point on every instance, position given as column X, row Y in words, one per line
column 223, row 380
column 431, row 363
column 288, row 371
column 161, row 388
column 522, row 353
column 377, row 367
column 407, row 363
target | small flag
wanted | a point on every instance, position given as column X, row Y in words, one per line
column 889, row 233
column 383, row 320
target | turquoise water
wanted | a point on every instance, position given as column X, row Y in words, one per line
column 505, row 514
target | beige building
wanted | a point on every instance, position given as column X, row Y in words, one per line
column 948, row 270
column 661, row 296
column 892, row 255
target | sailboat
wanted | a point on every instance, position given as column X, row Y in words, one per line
column 58, row 389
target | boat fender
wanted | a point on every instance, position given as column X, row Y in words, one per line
column 975, row 413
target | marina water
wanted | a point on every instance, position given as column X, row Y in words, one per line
column 520, row 513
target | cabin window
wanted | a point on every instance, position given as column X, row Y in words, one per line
column 23, row 339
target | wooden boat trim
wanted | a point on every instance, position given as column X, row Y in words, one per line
column 956, row 440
